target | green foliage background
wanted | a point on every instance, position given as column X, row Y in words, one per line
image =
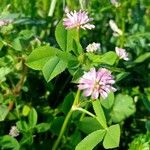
column 38, row 108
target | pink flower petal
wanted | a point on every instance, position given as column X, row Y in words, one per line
column 77, row 19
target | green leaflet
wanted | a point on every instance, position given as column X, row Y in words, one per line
column 32, row 118
column 108, row 58
column 142, row 57
column 3, row 112
column 67, row 38
column 89, row 125
column 50, row 60
column 39, row 56
column 53, row 67
column 90, row 141
column 112, row 137
column 8, row 142
column 99, row 113
column 109, row 101
column 123, row 108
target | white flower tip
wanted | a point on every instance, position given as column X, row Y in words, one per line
column 93, row 47
column 122, row 54
column 115, row 28
column 14, row 132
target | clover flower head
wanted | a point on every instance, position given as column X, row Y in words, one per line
column 4, row 22
column 14, row 132
column 122, row 54
column 93, row 47
column 78, row 20
column 97, row 83
column 115, row 28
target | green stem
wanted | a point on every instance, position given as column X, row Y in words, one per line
column 116, row 62
column 85, row 111
column 123, row 30
column 78, row 34
column 76, row 100
column 63, row 128
column 17, row 110
column 81, row 4
column 83, row 114
column 52, row 7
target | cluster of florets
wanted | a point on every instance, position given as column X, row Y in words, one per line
column 94, row 83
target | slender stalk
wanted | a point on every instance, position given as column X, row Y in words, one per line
column 83, row 114
column 85, row 111
column 116, row 62
column 17, row 110
column 63, row 128
column 78, row 34
column 81, row 4
column 123, row 30
column 52, row 7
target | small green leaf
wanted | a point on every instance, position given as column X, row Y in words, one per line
column 112, row 137
column 99, row 113
column 3, row 112
column 67, row 104
column 77, row 74
column 42, row 127
column 25, row 110
column 27, row 139
column 16, row 44
column 121, row 75
column 65, row 56
column 77, row 48
column 3, row 72
column 90, row 141
column 71, row 34
column 53, row 67
column 32, row 118
column 22, row 126
column 140, row 142
column 109, row 101
column 123, row 108
column 64, row 37
column 88, row 125
column 75, row 138
column 146, row 102
column 8, row 142
column 142, row 58
column 40, row 56
column 67, row 38
column 56, row 125
column 109, row 58
column 26, row 34
column 61, row 35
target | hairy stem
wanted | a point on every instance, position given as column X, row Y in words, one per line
column 63, row 128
